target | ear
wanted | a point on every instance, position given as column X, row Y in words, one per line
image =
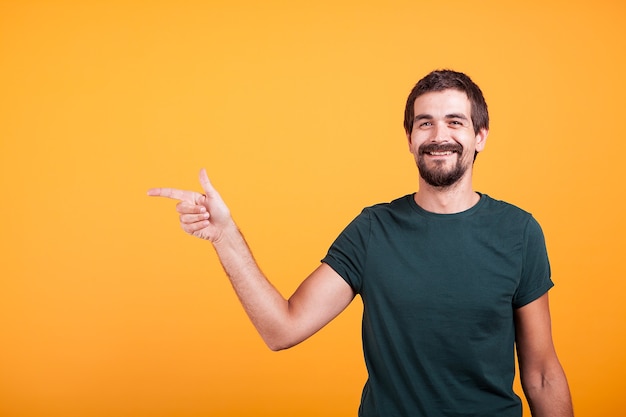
column 481, row 139
column 408, row 137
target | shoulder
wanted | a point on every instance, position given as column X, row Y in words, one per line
column 503, row 206
column 508, row 218
column 394, row 209
column 499, row 208
column 397, row 205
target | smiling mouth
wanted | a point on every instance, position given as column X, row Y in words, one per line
column 433, row 149
column 442, row 153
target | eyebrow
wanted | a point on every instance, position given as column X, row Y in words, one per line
column 425, row 116
column 422, row 116
column 456, row 116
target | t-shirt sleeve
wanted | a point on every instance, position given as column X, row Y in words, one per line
column 348, row 252
column 536, row 276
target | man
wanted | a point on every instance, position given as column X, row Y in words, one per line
column 451, row 279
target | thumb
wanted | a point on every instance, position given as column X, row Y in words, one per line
column 206, row 183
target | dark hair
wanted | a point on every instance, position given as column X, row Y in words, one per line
column 440, row 80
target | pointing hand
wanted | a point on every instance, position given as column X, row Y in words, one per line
column 201, row 215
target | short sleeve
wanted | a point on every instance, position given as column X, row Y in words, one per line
column 535, row 275
column 347, row 254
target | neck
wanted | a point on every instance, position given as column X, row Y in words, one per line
column 446, row 200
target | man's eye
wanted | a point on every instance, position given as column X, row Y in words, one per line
column 425, row 124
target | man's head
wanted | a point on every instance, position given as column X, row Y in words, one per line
column 440, row 80
column 446, row 123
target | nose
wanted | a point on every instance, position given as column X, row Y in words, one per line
column 440, row 133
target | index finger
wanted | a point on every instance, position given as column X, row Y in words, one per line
column 176, row 194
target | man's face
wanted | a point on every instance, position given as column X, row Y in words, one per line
column 443, row 141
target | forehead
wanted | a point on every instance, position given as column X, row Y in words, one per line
column 442, row 103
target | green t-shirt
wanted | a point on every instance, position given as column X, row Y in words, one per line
column 439, row 291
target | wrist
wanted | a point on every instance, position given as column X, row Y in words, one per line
column 229, row 234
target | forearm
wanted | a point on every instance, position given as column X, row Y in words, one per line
column 281, row 323
column 265, row 306
column 541, row 373
column 548, row 395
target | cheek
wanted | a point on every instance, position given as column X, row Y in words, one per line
column 410, row 142
column 414, row 148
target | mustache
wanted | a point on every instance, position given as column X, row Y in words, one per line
column 441, row 147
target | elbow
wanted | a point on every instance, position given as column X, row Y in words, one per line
column 283, row 335
column 534, row 381
column 538, row 383
column 281, row 341
column 276, row 345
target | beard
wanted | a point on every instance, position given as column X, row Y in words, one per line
column 439, row 175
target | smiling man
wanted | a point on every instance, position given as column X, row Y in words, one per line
column 452, row 281
column 440, row 134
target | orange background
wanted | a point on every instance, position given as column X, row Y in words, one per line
column 108, row 309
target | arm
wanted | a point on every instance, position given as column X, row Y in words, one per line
column 542, row 376
column 281, row 323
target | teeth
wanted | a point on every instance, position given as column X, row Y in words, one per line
column 441, row 153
